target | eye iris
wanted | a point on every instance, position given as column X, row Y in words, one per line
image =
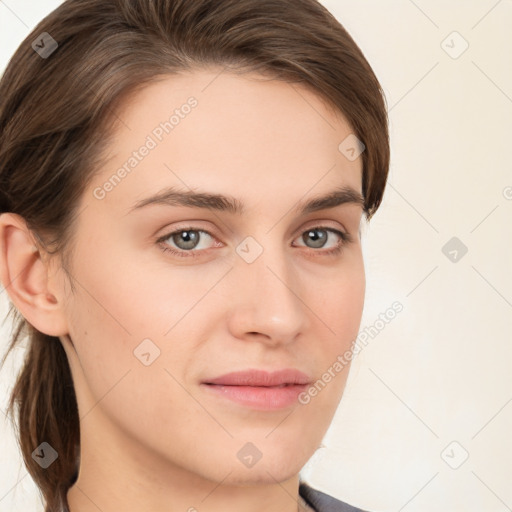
column 317, row 240
column 189, row 238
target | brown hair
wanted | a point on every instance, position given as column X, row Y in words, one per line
column 56, row 114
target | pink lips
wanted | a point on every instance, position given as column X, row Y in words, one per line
column 260, row 389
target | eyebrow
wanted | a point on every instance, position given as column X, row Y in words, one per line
column 173, row 197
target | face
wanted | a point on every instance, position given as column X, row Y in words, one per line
column 172, row 294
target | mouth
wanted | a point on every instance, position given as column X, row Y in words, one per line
column 259, row 389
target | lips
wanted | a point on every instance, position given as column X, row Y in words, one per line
column 258, row 389
column 287, row 376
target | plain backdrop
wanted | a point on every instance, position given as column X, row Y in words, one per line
column 426, row 419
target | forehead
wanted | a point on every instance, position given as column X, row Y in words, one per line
column 243, row 135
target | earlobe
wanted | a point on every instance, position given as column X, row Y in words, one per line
column 24, row 274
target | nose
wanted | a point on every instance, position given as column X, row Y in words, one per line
column 269, row 299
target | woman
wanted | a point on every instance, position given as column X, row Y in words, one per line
column 182, row 187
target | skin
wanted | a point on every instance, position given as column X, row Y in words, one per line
column 151, row 436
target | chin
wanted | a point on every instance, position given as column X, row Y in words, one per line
column 277, row 467
column 269, row 474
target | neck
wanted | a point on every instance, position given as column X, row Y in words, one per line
column 116, row 473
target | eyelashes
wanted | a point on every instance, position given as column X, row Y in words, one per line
column 193, row 234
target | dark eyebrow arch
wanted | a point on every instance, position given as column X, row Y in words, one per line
column 174, row 197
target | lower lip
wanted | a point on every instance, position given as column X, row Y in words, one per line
column 258, row 397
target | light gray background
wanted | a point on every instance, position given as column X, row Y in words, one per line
column 434, row 385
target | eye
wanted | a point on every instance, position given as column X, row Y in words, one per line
column 185, row 239
column 188, row 239
column 318, row 236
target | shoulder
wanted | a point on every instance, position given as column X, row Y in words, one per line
column 322, row 502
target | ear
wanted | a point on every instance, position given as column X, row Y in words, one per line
column 25, row 274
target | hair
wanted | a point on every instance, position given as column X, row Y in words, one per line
column 56, row 115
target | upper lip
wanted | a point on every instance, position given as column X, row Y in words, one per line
column 255, row 377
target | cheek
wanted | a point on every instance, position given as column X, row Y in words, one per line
column 340, row 303
column 126, row 313
column 339, row 308
column 123, row 316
